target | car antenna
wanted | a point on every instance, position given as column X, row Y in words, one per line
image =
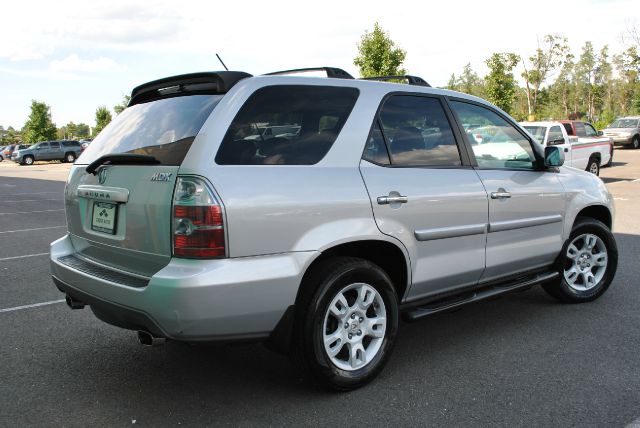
column 221, row 62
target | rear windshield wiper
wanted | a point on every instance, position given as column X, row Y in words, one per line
column 121, row 159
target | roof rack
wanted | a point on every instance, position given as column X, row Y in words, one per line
column 215, row 82
column 411, row 80
column 332, row 72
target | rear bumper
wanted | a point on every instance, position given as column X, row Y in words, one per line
column 192, row 300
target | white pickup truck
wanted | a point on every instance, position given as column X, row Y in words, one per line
column 579, row 153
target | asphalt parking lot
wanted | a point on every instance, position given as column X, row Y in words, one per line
column 522, row 360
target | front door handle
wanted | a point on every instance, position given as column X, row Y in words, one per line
column 500, row 194
column 386, row 200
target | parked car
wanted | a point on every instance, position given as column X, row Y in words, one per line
column 2, row 153
column 625, row 131
column 8, row 150
column 581, row 155
column 181, row 227
column 85, row 143
column 16, row 148
column 65, row 151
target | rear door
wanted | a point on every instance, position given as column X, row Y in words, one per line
column 425, row 194
column 526, row 204
column 54, row 151
column 120, row 216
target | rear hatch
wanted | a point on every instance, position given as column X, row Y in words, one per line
column 119, row 212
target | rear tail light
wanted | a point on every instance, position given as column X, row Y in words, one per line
column 198, row 226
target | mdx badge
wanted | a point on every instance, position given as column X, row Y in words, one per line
column 161, row 176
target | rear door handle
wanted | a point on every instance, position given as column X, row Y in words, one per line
column 500, row 194
column 386, row 200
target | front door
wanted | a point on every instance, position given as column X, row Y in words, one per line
column 526, row 204
column 425, row 194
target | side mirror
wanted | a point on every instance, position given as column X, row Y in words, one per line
column 600, row 133
column 556, row 142
column 553, row 156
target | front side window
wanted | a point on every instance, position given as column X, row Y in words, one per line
column 287, row 125
column 42, row 146
column 418, row 132
column 590, row 130
column 496, row 143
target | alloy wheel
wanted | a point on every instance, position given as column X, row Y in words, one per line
column 586, row 262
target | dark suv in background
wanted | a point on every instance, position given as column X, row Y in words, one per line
column 65, row 151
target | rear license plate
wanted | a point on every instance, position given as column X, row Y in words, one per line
column 104, row 217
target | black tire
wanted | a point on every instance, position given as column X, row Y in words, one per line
column 560, row 288
column 320, row 286
column 27, row 160
column 635, row 143
column 593, row 166
column 69, row 157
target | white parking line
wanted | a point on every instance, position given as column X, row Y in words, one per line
column 634, row 424
column 37, row 200
column 35, row 305
column 33, row 193
column 24, row 257
column 29, row 230
column 30, row 212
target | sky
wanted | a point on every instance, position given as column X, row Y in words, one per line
column 76, row 56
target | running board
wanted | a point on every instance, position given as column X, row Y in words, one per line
column 427, row 309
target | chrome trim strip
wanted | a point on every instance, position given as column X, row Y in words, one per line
column 109, row 194
column 450, row 232
column 500, row 226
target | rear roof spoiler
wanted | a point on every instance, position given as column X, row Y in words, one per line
column 411, row 80
column 332, row 72
column 216, row 82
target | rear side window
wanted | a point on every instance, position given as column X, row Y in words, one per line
column 287, row 125
column 164, row 129
column 71, row 144
column 55, row 145
column 418, row 132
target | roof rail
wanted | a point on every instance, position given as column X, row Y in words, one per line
column 411, row 80
column 213, row 82
column 332, row 72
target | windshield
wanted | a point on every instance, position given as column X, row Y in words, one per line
column 624, row 123
column 537, row 131
column 164, row 129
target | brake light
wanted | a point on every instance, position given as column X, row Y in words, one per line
column 198, row 226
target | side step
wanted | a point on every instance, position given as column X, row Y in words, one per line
column 427, row 309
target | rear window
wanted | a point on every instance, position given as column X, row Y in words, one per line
column 568, row 128
column 164, row 129
column 287, row 125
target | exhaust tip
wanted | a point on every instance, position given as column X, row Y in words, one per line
column 147, row 339
column 73, row 303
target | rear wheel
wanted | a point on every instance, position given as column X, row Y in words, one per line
column 70, row 157
column 593, row 166
column 346, row 322
column 635, row 143
column 27, row 160
column 587, row 263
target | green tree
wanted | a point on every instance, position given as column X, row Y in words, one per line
column 39, row 126
column 118, row 108
column 103, row 117
column 585, row 72
column 547, row 58
column 82, row 130
column 500, row 84
column 378, row 55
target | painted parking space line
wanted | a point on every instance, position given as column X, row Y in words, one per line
column 23, row 257
column 634, row 424
column 35, row 305
column 31, row 230
column 31, row 212
column 34, row 200
column 33, row 193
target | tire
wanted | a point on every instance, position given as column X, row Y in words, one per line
column 575, row 288
column 593, row 166
column 635, row 143
column 27, row 160
column 336, row 280
column 69, row 157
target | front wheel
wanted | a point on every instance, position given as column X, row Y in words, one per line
column 346, row 322
column 27, row 160
column 635, row 143
column 593, row 166
column 587, row 263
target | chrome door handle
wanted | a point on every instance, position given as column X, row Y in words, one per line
column 386, row 200
column 500, row 194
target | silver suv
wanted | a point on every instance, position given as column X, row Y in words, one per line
column 186, row 222
column 625, row 131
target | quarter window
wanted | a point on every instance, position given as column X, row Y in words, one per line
column 376, row 150
column 418, row 132
column 287, row 125
column 496, row 143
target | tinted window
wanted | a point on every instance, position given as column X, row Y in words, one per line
column 568, row 128
column 376, row 150
column 418, row 132
column 590, row 130
column 43, row 146
column 286, row 125
column 496, row 143
column 163, row 128
column 71, row 144
column 55, row 145
column 555, row 134
column 580, row 131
